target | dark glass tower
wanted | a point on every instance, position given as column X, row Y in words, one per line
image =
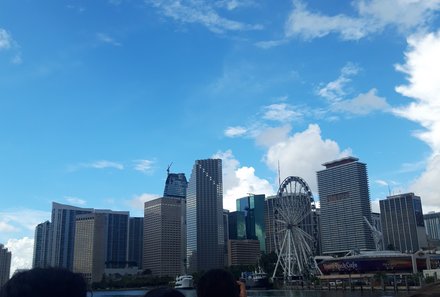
column 253, row 208
column 205, row 240
column 345, row 201
column 41, row 245
column 176, row 185
column 135, row 241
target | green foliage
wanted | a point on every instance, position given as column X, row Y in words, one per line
column 131, row 281
column 267, row 263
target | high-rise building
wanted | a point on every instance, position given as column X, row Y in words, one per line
column 175, row 185
column 5, row 264
column 345, row 200
column 253, row 208
column 41, row 245
column 205, row 239
column 90, row 246
column 432, row 225
column 63, row 234
column 162, row 241
column 117, row 238
column 135, row 241
column 402, row 223
column 243, row 252
column 269, row 206
column 237, row 225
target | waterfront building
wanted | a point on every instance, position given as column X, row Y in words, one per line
column 62, row 234
column 90, row 246
column 41, row 245
column 243, row 252
column 205, row 234
column 344, row 201
column 5, row 264
column 402, row 223
column 175, row 185
column 253, row 208
column 135, row 241
column 269, row 205
column 432, row 225
column 237, row 225
column 162, row 236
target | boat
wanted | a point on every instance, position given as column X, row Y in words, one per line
column 256, row 280
column 185, row 281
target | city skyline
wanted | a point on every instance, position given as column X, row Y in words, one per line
column 98, row 98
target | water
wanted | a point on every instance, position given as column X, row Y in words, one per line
column 270, row 293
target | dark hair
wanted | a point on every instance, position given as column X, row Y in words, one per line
column 45, row 282
column 217, row 283
column 164, row 292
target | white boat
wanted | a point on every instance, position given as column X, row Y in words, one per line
column 184, row 282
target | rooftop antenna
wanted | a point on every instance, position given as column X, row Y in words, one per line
column 389, row 190
column 279, row 174
column 168, row 169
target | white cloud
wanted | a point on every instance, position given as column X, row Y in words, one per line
column 335, row 90
column 272, row 135
column 6, row 228
column 372, row 16
column 5, row 39
column 381, row 182
column 302, row 155
column 75, row 200
column 200, row 12
column 144, row 166
column 137, row 202
column 103, row 164
column 105, row 38
column 22, row 220
column 281, row 112
column 22, row 252
column 270, row 43
column 422, row 67
column 362, row 104
column 236, row 131
column 239, row 181
column 234, row 4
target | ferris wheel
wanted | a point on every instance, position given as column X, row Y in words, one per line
column 295, row 228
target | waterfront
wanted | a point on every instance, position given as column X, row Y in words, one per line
column 271, row 293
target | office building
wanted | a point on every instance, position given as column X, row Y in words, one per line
column 226, row 233
column 269, row 206
column 243, row 252
column 205, row 234
column 135, row 242
column 162, row 242
column 5, row 264
column 63, row 234
column 402, row 223
column 253, row 208
column 41, row 245
column 344, row 200
column 90, row 246
column 175, row 185
column 432, row 225
column 237, row 225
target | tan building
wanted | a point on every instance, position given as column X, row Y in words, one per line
column 5, row 265
column 162, row 236
column 90, row 246
column 243, row 252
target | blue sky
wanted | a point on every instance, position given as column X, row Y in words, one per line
column 98, row 97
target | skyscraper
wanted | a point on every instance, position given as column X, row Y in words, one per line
column 135, row 241
column 269, row 208
column 345, row 200
column 162, row 241
column 5, row 264
column 41, row 245
column 403, row 227
column 237, row 225
column 205, row 240
column 63, row 234
column 90, row 246
column 253, row 208
column 432, row 225
column 175, row 185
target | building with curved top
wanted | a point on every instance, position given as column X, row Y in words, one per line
column 175, row 185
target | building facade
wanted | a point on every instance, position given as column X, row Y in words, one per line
column 135, row 241
column 175, row 185
column 205, row 234
column 269, row 206
column 162, row 237
column 243, row 252
column 253, row 208
column 344, row 200
column 237, row 225
column 63, row 234
column 432, row 225
column 90, row 246
column 5, row 264
column 41, row 245
column 403, row 227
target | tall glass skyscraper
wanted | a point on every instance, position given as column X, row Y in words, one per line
column 253, row 208
column 175, row 185
column 205, row 240
column 5, row 264
column 432, row 225
column 135, row 241
column 345, row 200
column 41, row 245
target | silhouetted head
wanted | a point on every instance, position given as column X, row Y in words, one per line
column 164, row 292
column 45, row 282
column 217, row 283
